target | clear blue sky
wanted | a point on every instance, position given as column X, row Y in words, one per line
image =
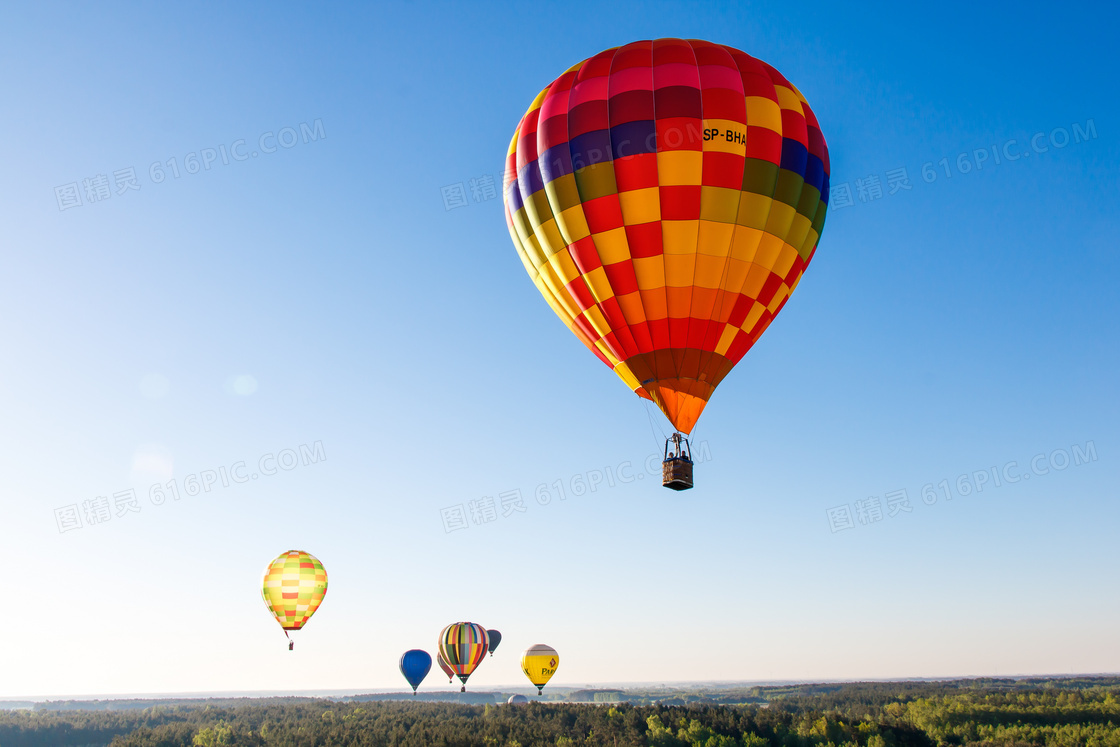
column 323, row 292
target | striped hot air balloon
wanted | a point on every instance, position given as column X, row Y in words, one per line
column 463, row 646
column 666, row 197
column 293, row 587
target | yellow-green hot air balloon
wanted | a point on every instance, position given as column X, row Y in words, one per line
column 539, row 663
column 293, row 587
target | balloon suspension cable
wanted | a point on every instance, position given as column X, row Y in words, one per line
column 692, row 434
column 652, row 427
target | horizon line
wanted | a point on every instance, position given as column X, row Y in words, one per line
column 326, row 694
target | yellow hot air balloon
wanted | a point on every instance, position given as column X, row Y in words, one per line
column 539, row 663
column 293, row 587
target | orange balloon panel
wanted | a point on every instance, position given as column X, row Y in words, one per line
column 666, row 197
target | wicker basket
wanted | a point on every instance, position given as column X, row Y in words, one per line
column 676, row 473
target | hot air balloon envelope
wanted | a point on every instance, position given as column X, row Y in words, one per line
column 446, row 669
column 666, row 197
column 293, row 587
column 495, row 638
column 539, row 663
column 415, row 665
column 463, row 646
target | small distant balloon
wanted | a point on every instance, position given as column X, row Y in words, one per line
column 517, row 700
column 446, row 669
column 293, row 587
column 415, row 665
column 539, row 663
column 495, row 638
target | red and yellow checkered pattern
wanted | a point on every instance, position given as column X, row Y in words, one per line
column 293, row 588
column 666, row 197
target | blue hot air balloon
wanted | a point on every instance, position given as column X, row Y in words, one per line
column 414, row 666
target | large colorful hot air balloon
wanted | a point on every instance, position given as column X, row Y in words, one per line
column 293, row 587
column 666, row 197
column 539, row 663
column 446, row 669
column 415, row 665
column 463, row 645
column 495, row 638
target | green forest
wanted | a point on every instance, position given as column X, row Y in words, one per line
column 1013, row 713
